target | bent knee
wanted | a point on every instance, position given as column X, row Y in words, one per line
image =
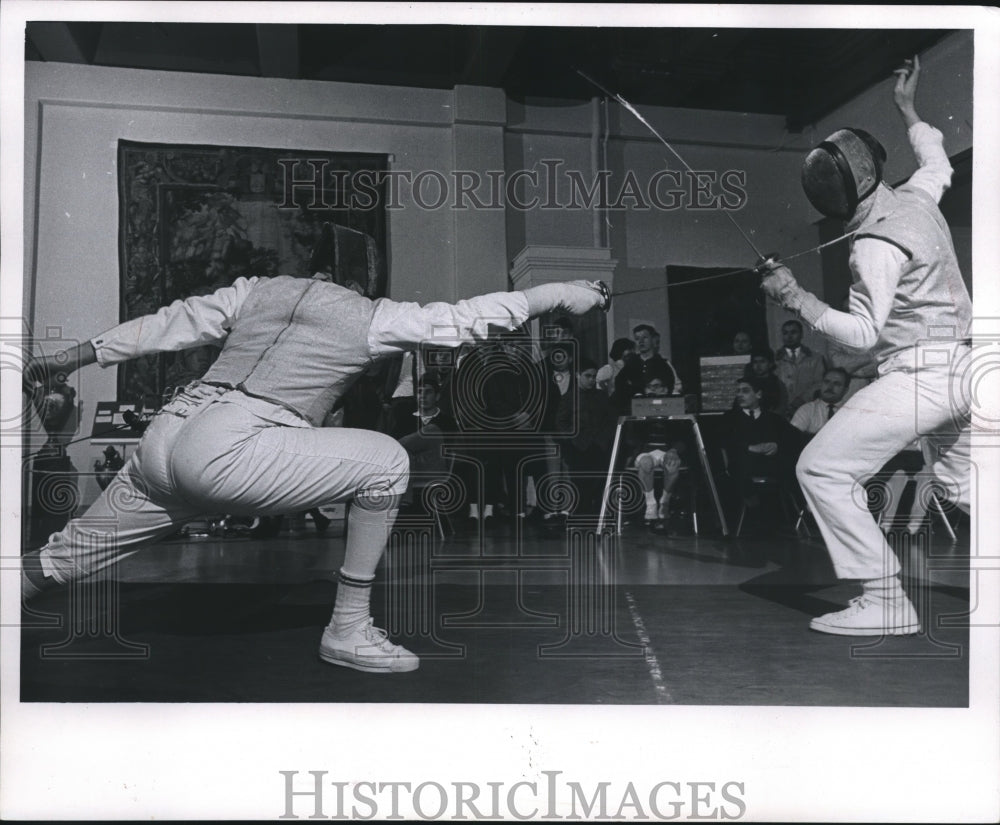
column 391, row 469
column 814, row 464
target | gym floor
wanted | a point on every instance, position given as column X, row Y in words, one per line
column 512, row 615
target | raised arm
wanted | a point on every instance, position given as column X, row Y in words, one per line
column 400, row 325
column 934, row 174
column 905, row 91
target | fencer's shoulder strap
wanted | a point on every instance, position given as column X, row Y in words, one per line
column 915, row 217
column 888, row 237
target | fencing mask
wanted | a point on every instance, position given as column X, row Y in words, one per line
column 842, row 171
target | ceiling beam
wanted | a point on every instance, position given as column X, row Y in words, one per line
column 278, row 50
column 55, row 42
column 490, row 55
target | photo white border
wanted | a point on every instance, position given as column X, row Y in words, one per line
column 185, row 761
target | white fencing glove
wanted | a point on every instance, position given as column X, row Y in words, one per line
column 574, row 297
column 779, row 285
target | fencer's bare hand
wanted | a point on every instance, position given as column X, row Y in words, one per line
column 907, row 77
column 905, row 91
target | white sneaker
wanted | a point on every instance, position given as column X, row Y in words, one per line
column 366, row 648
column 865, row 617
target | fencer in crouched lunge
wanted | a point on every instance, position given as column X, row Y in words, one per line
column 246, row 438
column 907, row 288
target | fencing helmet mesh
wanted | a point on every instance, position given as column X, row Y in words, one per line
column 842, row 171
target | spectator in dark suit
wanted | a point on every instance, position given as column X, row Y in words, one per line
column 495, row 397
column 759, row 444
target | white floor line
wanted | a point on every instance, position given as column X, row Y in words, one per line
column 663, row 696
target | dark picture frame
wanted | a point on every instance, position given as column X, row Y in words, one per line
column 194, row 218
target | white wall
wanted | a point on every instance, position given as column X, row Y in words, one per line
column 76, row 115
column 644, row 241
column 944, row 99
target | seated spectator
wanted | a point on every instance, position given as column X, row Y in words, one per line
column 758, row 444
column 402, row 375
column 811, row 416
column 557, row 364
column 631, row 380
column 562, row 357
column 762, row 367
column 742, row 343
column 798, row 367
column 657, row 453
column 429, row 429
column 650, row 449
column 586, row 414
column 860, row 367
column 606, row 375
column 657, row 386
column 495, row 397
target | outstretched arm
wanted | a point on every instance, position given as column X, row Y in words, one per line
column 54, row 370
column 400, row 325
column 201, row 319
column 198, row 320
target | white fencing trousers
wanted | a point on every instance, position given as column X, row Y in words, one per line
column 874, row 425
column 212, row 450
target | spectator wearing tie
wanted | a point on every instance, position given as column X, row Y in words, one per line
column 799, row 368
column 810, row 417
column 758, row 444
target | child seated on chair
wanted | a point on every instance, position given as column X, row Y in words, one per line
column 654, row 451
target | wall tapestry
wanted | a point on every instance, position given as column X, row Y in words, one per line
column 192, row 219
